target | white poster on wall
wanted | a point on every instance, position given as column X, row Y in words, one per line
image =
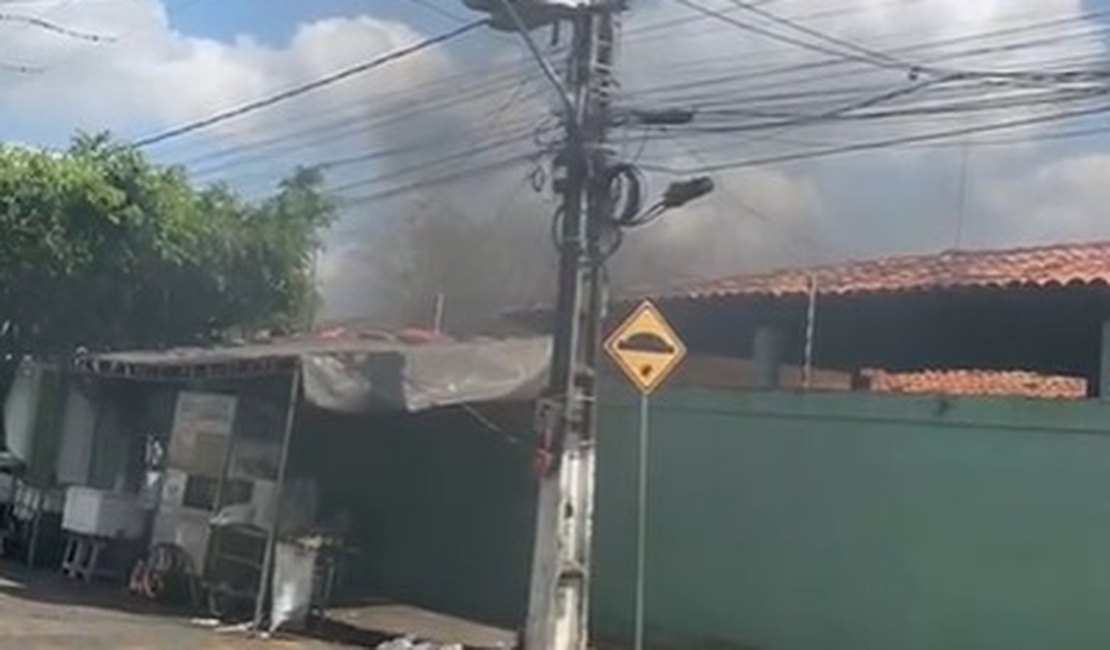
column 202, row 425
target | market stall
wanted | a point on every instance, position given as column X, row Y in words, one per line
column 292, row 476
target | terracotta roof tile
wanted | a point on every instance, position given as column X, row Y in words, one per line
column 1059, row 265
column 978, row 382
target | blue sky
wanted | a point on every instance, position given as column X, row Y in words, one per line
column 274, row 21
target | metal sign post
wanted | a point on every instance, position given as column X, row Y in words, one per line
column 648, row 350
column 641, row 523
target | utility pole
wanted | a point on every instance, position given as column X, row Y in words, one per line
column 588, row 231
column 558, row 604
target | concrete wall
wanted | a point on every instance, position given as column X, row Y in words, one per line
column 32, row 411
column 863, row 522
column 78, row 429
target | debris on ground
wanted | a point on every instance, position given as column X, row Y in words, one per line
column 235, row 628
column 407, row 643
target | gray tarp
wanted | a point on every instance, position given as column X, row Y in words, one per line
column 427, row 376
column 352, row 376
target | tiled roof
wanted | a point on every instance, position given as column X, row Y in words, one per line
column 1044, row 266
column 978, row 382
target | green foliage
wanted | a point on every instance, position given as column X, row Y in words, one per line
column 99, row 247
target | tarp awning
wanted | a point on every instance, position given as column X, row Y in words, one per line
column 353, row 376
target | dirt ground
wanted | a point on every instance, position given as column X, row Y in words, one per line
column 43, row 611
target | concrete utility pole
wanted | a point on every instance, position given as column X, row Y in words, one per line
column 588, row 231
column 558, row 605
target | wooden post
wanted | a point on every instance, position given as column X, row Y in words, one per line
column 271, row 536
column 36, row 517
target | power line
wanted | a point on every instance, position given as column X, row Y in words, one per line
column 789, row 40
column 1035, row 94
column 316, row 135
column 42, row 23
column 722, row 112
column 882, row 144
column 974, row 105
column 636, row 34
column 838, row 112
column 20, row 68
column 519, row 132
column 405, row 150
column 817, row 146
column 1018, row 140
column 466, row 154
column 308, row 87
column 445, row 179
column 54, row 8
column 416, row 103
column 276, row 147
column 915, row 48
column 349, row 125
column 860, row 49
column 345, row 128
column 380, row 107
column 374, row 110
column 1042, row 137
column 434, row 8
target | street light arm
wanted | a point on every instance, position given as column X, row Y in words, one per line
column 680, row 193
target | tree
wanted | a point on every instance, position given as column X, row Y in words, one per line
column 103, row 249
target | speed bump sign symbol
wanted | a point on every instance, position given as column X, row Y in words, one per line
column 646, row 348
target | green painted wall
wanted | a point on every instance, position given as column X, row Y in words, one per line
column 862, row 522
column 777, row 521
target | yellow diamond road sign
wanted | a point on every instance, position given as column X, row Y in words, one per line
column 645, row 347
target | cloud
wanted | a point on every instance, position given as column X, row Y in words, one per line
column 154, row 76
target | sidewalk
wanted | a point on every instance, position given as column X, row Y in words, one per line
column 42, row 611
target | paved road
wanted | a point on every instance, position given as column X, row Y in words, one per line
column 42, row 611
